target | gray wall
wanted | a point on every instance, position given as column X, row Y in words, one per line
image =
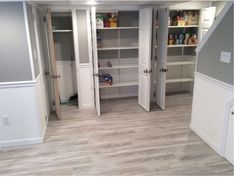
column 209, row 57
column 14, row 55
column 82, row 36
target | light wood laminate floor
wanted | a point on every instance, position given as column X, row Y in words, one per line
column 124, row 141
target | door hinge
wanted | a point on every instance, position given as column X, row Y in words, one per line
column 147, row 71
column 53, row 103
column 96, row 75
column 55, row 76
column 155, row 58
column 164, row 70
column 154, row 94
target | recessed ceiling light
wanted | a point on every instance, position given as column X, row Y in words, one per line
column 92, row 2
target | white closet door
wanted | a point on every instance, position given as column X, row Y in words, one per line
column 207, row 19
column 162, row 35
column 145, row 38
column 229, row 146
column 95, row 61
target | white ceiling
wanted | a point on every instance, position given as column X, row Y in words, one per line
column 106, row 2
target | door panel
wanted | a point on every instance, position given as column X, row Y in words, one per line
column 95, row 61
column 145, row 38
column 162, row 35
column 54, row 74
column 207, row 19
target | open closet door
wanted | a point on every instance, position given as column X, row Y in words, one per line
column 145, row 45
column 162, row 35
column 207, row 19
column 54, row 75
column 95, row 61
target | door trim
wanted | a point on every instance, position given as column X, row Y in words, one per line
column 76, row 52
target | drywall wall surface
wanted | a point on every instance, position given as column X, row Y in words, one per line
column 208, row 62
column 31, row 18
column 191, row 5
column 219, row 6
column 64, row 48
column 14, row 53
column 82, row 36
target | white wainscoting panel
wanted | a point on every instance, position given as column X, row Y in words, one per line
column 86, row 89
column 23, row 107
column 210, row 100
column 67, row 80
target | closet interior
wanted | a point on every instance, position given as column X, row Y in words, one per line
column 182, row 39
column 62, row 29
column 117, row 47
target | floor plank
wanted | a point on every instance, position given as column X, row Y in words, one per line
column 125, row 140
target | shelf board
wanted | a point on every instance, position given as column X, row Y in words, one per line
column 179, row 80
column 175, row 63
column 61, row 31
column 182, row 45
column 116, row 48
column 119, row 84
column 181, row 60
column 116, row 28
column 188, row 26
column 119, row 66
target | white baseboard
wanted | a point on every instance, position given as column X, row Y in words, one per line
column 20, row 142
column 205, row 139
column 86, row 106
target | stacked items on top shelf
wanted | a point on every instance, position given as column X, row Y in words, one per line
column 182, row 40
column 117, row 45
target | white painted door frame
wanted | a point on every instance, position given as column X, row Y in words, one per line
column 76, row 53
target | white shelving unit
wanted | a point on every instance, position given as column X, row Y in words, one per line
column 175, row 63
column 119, row 47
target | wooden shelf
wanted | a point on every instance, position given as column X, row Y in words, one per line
column 179, row 80
column 119, row 84
column 116, row 28
column 116, row 48
column 61, row 31
column 124, row 66
column 182, row 45
column 188, row 26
